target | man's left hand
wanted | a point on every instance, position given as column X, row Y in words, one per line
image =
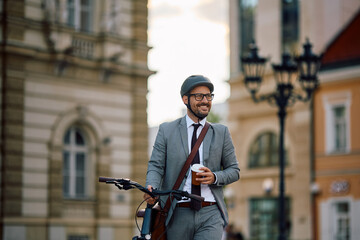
column 206, row 177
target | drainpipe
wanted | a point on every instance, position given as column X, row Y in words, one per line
column 3, row 108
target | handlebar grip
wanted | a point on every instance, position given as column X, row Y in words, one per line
column 106, row 179
column 196, row 197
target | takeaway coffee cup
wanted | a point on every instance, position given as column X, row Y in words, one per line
column 195, row 168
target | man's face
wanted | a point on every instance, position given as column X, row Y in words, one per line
column 202, row 107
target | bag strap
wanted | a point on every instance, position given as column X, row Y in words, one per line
column 187, row 163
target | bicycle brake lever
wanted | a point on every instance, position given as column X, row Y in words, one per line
column 127, row 187
column 177, row 196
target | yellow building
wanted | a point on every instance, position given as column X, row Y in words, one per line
column 73, row 92
column 337, row 138
column 277, row 26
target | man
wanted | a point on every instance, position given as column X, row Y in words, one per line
column 171, row 149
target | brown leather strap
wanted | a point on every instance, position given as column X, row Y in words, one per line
column 203, row 204
column 187, row 163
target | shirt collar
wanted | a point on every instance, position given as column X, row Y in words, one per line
column 190, row 122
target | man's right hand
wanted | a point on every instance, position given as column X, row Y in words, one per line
column 148, row 198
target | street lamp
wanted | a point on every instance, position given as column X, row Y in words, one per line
column 285, row 95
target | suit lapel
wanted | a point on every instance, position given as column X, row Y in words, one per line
column 206, row 145
column 184, row 137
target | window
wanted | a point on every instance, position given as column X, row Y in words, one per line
column 247, row 23
column 339, row 218
column 337, row 112
column 340, row 127
column 290, row 25
column 264, row 151
column 74, row 164
column 264, row 218
column 79, row 14
column 342, row 221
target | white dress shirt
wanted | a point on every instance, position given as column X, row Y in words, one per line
column 205, row 190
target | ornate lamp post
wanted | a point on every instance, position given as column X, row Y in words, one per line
column 285, row 95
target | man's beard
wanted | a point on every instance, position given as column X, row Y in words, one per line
column 202, row 115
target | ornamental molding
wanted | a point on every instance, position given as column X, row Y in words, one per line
column 339, row 187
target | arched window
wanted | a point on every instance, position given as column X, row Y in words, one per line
column 75, row 164
column 264, row 151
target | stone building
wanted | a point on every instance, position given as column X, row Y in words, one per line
column 73, row 92
column 277, row 26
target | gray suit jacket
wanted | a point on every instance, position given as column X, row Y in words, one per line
column 170, row 152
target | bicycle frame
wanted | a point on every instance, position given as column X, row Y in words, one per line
column 146, row 225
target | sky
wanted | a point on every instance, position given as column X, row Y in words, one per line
column 187, row 37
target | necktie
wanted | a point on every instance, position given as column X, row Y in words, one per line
column 195, row 189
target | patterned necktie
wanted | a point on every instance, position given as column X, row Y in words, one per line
column 195, row 189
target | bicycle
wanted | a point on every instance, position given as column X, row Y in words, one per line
column 146, row 228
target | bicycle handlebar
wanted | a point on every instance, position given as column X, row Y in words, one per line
column 126, row 184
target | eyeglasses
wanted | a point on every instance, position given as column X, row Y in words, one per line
column 200, row 96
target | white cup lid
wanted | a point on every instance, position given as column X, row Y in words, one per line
column 195, row 167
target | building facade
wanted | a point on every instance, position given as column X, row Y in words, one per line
column 73, row 92
column 337, row 138
column 277, row 26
